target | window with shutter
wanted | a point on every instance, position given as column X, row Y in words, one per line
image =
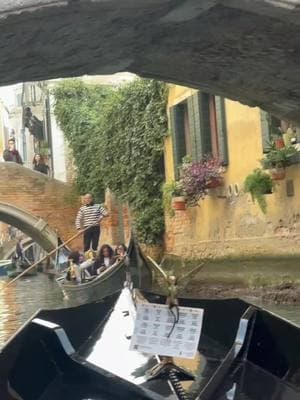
column 265, row 131
column 177, row 122
column 270, row 129
column 221, row 129
column 199, row 121
column 198, row 128
column 205, row 128
column 192, row 106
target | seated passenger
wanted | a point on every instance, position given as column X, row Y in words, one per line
column 105, row 259
column 86, row 266
column 73, row 273
column 121, row 254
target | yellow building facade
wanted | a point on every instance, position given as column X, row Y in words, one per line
column 226, row 223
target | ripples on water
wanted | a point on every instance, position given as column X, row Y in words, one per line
column 21, row 300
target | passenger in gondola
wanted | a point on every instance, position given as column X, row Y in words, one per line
column 104, row 260
column 73, row 272
column 87, row 264
column 122, row 255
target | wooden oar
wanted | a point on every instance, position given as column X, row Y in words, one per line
column 48, row 255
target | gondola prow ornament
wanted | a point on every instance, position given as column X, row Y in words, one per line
column 166, row 368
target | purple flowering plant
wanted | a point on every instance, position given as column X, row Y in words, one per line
column 197, row 177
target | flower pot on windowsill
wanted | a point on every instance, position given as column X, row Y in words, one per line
column 277, row 174
column 214, row 183
column 178, row 203
column 279, row 143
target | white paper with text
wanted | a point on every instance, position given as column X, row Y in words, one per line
column 155, row 322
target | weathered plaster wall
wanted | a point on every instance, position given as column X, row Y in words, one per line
column 244, row 50
column 224, row 225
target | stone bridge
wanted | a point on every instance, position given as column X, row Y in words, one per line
column 40, row 206
column 247, row 50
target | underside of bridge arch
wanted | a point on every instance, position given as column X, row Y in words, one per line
column 32, row 226
column 244, row 50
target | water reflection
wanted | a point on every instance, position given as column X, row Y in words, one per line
column 21, row 300
column 9, row 312
column 130, row 365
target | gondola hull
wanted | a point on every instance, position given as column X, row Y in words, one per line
column 110, row 280
column 244, row 353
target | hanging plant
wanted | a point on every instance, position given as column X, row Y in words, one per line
column 258, row 184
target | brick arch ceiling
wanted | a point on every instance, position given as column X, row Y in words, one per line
column 244, row 50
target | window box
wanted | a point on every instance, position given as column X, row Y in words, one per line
column 215, row 183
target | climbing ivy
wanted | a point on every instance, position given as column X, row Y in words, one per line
column 77, row 109
column 117, row 140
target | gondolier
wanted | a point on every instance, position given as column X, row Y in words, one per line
column 90, row 214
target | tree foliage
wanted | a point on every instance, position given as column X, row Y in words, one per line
column 117, row 140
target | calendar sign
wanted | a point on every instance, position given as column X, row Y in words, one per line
column 157, row 332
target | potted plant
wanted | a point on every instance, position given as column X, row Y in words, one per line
column 279, row 142
column 215, row 169
column 197, row 177
column 276, row 160
column 258, row 184
column 173, row 197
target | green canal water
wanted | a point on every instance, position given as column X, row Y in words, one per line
column 20, row 301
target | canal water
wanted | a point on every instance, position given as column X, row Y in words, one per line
column 21, row 300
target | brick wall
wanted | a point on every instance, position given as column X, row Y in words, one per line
column 54, row 202
column 116, row 227
column 39, row 195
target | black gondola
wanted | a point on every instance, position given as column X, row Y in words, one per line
column 110, row 280
column 244, row 353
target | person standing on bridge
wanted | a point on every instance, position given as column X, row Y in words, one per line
column 90, row 214
column 39, row 165
column 11, row 153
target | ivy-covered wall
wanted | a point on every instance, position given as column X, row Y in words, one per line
column 117, row 138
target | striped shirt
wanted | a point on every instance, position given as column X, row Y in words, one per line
column 89, row 215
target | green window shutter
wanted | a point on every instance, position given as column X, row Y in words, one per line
column 221, row 129
column 199, row 124
column 192, row 104
column 205, row 131
column 265, row 131
column 178, row 139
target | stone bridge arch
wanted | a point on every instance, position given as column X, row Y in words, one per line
column 240, row 49
column 38, row 205
column 35, row 227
